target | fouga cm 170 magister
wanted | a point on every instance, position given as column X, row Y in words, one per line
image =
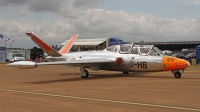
column 124, row 58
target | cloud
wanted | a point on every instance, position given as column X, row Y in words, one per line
column 86, row 3
column 64, row 8
column 5, row 3
column 190, row 2
column 92, row 23
column 99, row 23
column 36, row 5
column 50, row 5
column 45, row 5
column 24, row 12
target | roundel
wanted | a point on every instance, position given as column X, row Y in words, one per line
column 119, row 61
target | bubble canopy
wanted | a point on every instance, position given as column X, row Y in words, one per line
column 135, row 49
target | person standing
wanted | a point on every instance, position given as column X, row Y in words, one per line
column 36, row 59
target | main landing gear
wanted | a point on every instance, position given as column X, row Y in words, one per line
column 86, row 75
column 83, row 72
column 177, row 73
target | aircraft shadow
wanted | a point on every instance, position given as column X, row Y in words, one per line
column 65, row 74
column 99, row 77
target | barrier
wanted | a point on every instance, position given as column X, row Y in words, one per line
column 198, row 55
column 2, row 54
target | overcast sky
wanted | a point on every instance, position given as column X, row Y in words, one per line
column 55, row 21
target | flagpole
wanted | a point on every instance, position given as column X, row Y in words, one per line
column 5, row 43
column 2, row 42
column 5, row 51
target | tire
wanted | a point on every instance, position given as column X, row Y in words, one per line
column 87, row 74
column 177, row 75
column 125, row 72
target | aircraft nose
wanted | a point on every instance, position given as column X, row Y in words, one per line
column 187, row 64
column 171, row 63
column 183, row 63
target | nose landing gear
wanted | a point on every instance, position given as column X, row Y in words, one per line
column 177, row 73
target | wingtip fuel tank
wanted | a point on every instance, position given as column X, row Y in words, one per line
column 23, row 64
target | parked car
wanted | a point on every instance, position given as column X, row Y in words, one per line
column 178, row 55
column 190, row 55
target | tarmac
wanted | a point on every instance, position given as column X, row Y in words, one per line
column 55, row 88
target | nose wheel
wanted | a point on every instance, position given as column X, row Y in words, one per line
column 177, row 75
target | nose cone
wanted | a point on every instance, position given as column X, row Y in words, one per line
column 171, row 63
column 187, row 64
column 183, row 63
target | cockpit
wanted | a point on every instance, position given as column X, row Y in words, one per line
column 144, row 50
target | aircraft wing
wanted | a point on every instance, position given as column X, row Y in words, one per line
column 31, row 65
column 75, row 62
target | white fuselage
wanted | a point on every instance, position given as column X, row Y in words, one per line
column 131, row 62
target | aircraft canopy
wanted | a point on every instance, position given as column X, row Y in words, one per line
column 135, row 49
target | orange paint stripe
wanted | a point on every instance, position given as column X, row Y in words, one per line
column 66, row 47
column 39, row 42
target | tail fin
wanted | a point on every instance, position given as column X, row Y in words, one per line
column 43, row 46
column 66, row 48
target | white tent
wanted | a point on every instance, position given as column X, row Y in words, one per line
column 86, row 42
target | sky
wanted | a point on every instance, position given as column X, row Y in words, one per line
column 55, row 21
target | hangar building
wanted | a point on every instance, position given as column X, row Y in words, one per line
column 173, row 45
column 93, row 44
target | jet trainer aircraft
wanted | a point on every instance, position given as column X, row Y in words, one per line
column 125, row 58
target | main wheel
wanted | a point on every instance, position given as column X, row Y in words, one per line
column 177, row 75
column 125, row 72
column 87, row 74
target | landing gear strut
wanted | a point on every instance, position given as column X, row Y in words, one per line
column 83, row 72
column 86, row 74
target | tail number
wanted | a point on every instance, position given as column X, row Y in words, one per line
column 142, row 65
column 170, row 59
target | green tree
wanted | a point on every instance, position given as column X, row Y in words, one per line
column 36, row 52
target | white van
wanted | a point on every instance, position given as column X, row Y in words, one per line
column 15, row 57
